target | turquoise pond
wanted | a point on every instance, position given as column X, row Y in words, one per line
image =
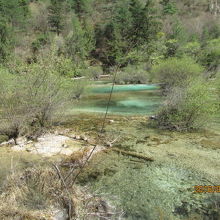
column 126, row 99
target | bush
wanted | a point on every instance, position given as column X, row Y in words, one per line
column 211, row 55
column 3, row 138
column 79, row 87
column 175, row 72
column 30, row 99
column 39, row 42
column 217, row 86
column 132, row 75
column 94, row 72
column 187, row 108
column 191, row 49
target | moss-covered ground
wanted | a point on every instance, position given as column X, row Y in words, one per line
column 162, row 189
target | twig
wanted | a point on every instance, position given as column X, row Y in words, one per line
column 65, row 186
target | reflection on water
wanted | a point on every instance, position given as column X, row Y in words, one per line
column 126, row 99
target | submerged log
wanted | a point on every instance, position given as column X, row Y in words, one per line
column 132, row 154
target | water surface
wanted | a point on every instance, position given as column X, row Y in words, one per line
column 126, row 99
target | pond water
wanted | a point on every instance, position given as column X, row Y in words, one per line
column 126, row 99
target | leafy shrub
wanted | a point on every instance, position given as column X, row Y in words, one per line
column 211, row 29
column 132, row 75
column 191, row 49
column 94, row 72
column 79, row 87
column 41, row 41
column 211, row 55
column 30, row 99
column 66, row 67
column 170, row 9
column 3, row 138
column 217, row 86
column 172, row 47
column 187, row 108
column 175, row 72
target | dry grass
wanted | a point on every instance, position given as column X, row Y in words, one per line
column 36, row 194
column 32, row 194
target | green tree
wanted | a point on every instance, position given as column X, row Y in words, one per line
column 80, row 42
column 133, row 24
column 210, row 56
column 145, row 25
column 82, row 7
column 5, row 39
column 169, row 7
column 15, row 11
column 55, row 16
column 192, row 49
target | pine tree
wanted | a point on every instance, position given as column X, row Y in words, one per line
column 4, row 39
column 56, row 16
column 119, row 32
column 82, row 7
column 169, row 7
column 81, row 41
column 133, row 25
column 15, row 11
column 145, row 22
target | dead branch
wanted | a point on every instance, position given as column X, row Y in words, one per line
column 132, row 154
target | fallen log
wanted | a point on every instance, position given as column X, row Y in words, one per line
column 132, row 154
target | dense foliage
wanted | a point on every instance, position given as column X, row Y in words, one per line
column 175, row 72
column 187, row 108
column 110, row 33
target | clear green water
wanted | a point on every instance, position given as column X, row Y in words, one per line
column 121, row 88
column 126, row 99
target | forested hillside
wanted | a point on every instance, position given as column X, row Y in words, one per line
column 107, row 33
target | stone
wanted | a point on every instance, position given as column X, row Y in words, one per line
column 29, row 149
column 111, row 121
column 153, row 117
column 21, row 141
column 66, row 152
column 72, row 136
column 78, row 137
column 65, row 146
column 84, row 138
column 10, row 142
column 18, row 148
column 109, row 144
column 60, row 215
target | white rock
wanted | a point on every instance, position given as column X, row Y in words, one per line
column 18, row 148
column 66, row 152
column 72, row 136
column 10, row 142
column 78, row 137
column 60, row 215
column 21, row 141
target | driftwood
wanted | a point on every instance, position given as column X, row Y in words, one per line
column 132, row 154
column 77, row 78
